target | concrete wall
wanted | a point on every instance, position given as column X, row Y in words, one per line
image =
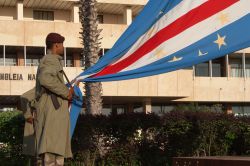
column 28, row 14
column 125, row 2
column 7, row 13
column 112, row 19
column 59, row 15
column 111, row 33
column 174, row 84
column 62, row 15
column 33, row 33
column 16, row 87
column 166, row 85
column 180, row 84
column 220, row 89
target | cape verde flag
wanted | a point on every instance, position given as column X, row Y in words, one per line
column 172, row 34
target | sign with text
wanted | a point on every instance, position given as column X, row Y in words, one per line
column 17, row 76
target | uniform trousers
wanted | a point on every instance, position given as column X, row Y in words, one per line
column 50, row 159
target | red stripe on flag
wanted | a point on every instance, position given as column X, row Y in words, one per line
column 188, row 20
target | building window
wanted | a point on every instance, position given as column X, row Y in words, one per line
column 62, row 62
column 113, row 109
column 240, row 110
column 43, row 15
column 73, row 57
column 81, row 61
column 106, row 50
column 11, row 60
column 106, row 110
column 138, row 108
column 10, row 56
column 69, row 61
column 202, row 70
column 101, row 52
column 218, row 67
column 161, row 109
column 32, row 60
column 100, row 19
column 235, row 65
column 34, row 55
column 247, row 65
column 235, row 69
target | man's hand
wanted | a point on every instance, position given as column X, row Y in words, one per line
column 30, row 120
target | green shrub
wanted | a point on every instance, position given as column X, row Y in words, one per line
column 138, row 139
column 11, row 137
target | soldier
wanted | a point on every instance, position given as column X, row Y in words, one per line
column 52, row 95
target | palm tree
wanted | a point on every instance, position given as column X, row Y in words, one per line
column 91, row 42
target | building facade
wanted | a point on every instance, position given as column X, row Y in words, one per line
column 25, row 24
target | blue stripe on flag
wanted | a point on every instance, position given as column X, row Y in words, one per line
column 76, row 108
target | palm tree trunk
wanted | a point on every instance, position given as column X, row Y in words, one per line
column 91, row 36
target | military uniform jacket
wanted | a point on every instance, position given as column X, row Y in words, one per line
column 52, row 126
column 29, row 133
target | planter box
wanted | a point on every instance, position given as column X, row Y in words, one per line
column 212, row 161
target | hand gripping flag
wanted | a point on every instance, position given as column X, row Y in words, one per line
column 173, row 34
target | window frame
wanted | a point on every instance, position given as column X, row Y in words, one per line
column 46, row 15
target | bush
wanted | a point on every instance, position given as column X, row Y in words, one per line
column 11, row 137
column 112, row 140
column 138, row 139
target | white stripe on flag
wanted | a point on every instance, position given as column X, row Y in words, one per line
column 80, row 78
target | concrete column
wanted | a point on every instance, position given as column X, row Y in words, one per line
column 127, row 16
column 76, row 57
column 130, row 107
column 19, row 10
column 244, row 64
column 45, row 52
column 25, row 55
column 229, row 109
column 147, row 107
column 210, row 67
column 65, row 57
column 227, row 66
column 103, row 51
column 193, row 72
column 4, row 55
column 75, row 14
column 224, row 69
column 20, row 58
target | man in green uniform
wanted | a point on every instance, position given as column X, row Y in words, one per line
column 52, row 123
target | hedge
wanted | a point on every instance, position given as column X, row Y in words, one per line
column 139, row 139
column 11, row 137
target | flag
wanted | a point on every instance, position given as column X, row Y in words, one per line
column 169, row 35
